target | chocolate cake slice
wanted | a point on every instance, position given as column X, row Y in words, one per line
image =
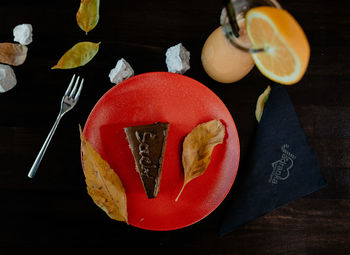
column 147, row 144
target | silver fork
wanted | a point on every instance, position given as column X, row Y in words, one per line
column 69, row 100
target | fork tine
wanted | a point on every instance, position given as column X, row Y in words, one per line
column 75, row 87
column 70, row 85
column 79, row 90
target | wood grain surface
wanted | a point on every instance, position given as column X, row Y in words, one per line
column 53, row 212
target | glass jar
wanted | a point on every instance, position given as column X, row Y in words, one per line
column 226, row 54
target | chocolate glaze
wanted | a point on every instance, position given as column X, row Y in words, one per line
column 147, row 144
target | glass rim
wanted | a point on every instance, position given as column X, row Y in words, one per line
column 230, row 36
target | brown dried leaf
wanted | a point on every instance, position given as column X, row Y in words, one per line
column 88, row 14
column 260, row 104
column 79, row 55
column 103, row 184
column 13, row 53
column 198, row 147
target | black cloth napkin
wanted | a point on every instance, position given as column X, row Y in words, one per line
column 281, row 167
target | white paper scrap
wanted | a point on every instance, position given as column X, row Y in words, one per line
column 121, row 71
column 177, row 59
column 23, row 34
column 7, row 78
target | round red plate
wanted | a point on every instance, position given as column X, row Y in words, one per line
column 184, row 103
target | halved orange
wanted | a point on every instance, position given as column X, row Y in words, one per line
column 286, row 49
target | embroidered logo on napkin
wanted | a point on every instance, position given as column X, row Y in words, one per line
column 281, row 168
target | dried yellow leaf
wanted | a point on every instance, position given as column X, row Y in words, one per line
column 260, row 104
column 13, row 53
column 88, row 14
column 198, row 147
column 103, row 184
column 79, row 55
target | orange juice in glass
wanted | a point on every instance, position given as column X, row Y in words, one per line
column 226, row 54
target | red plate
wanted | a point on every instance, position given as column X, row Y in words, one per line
column 184, row 103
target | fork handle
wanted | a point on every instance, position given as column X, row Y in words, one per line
column 42, row 151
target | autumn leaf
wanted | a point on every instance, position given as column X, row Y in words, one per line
column 198, row 147
column 88, row 14
column 103, row 184
column 260, row 104
column 13, row 53
column 79, row 55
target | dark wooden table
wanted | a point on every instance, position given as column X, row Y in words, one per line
column 53, row 212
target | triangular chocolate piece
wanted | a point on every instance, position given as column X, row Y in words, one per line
column 147, row 144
